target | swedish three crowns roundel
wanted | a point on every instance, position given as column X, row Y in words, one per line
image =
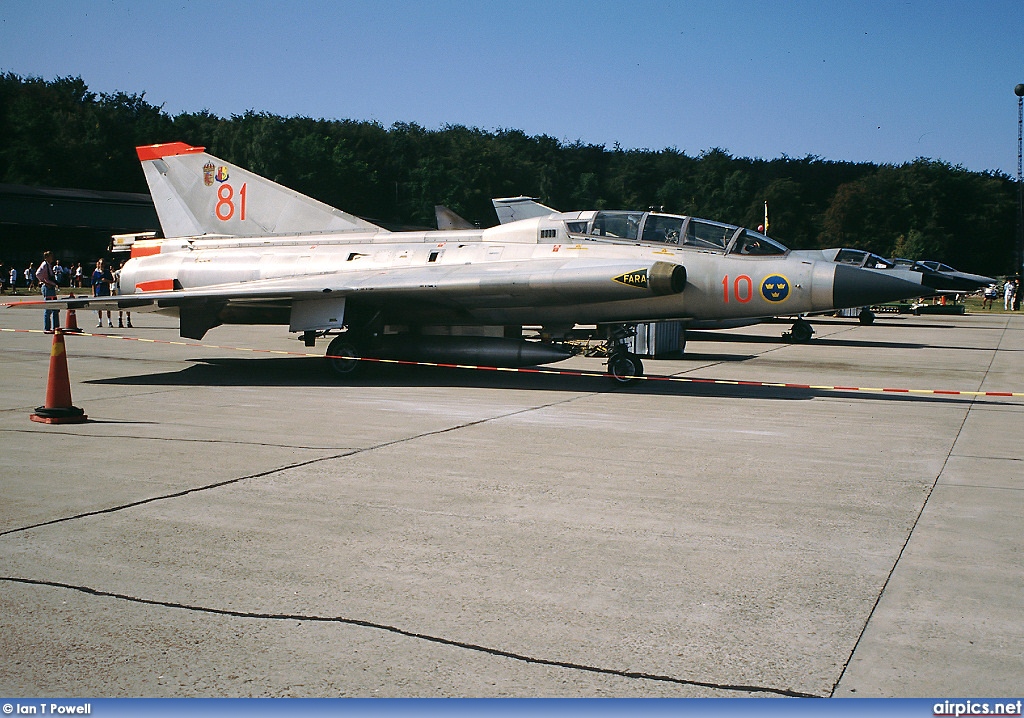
column 775, row 288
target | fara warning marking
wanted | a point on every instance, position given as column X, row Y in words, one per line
column 633, row 279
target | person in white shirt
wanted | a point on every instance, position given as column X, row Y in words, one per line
column 48, row 282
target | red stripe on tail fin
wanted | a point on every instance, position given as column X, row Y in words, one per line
column 168, row 149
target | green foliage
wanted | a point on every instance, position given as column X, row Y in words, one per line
column 60, row 134
column 927, row 210
column 57, row 133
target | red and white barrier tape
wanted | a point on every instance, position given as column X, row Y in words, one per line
column 553, row 372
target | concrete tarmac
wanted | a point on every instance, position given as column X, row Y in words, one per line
column 239, row 524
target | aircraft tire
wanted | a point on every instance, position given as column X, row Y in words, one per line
column 624, row 367
column 802, row 331
column 866, row 316
column 342, row 346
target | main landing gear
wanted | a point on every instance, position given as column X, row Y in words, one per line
column 361, row 338
column 624, row 367
column 343, row 355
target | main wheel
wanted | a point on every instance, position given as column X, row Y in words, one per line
column 625, row 367
column 343, row 357
column 866, row 316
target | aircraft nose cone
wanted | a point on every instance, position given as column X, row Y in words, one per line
column 855, row 287
column 956, row 282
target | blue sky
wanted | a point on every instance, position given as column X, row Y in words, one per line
column 882, row 82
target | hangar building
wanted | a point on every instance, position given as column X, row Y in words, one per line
column 75, row 223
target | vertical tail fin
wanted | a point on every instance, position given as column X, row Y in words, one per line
column 196, row 193
column 512, row 209
column 447, row 219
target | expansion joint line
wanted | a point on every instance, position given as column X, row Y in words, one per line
column 917, row 519
column 899, row 556
column 341, row 620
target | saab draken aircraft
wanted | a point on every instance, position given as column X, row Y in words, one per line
column 241, row 249
column 938, row 277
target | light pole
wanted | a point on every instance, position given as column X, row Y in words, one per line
column 1019, row 92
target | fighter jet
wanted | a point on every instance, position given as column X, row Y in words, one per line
column 510, row 209
column 935, row 276
column 874, row 262
column 241, row 249
column 944, row 278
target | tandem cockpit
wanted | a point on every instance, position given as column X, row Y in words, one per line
column 668, row 229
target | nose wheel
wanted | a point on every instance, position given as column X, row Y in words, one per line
column 801, row 332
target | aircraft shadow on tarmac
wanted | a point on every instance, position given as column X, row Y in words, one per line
column 313, row 372
column 827, row 341
column 879, row 322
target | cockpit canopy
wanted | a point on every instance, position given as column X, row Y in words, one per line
column 936, row 266
column 860, row 258
column 657, row 228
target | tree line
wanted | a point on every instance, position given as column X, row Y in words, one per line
column 58, row 133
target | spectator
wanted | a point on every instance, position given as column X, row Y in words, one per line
column 101, row 281
column 116, row 289
column 1009, row 290
column 30, row 276
column 989, row 296
column 78, row 276
column 13, row 278
column 48, row 281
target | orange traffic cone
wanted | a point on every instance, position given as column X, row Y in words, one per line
column 58, row 408
column 71, row 322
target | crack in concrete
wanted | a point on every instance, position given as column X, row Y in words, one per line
column 342, row 620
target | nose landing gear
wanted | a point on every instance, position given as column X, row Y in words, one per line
column 800, row 333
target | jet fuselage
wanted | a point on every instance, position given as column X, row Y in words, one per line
column 517, row 276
